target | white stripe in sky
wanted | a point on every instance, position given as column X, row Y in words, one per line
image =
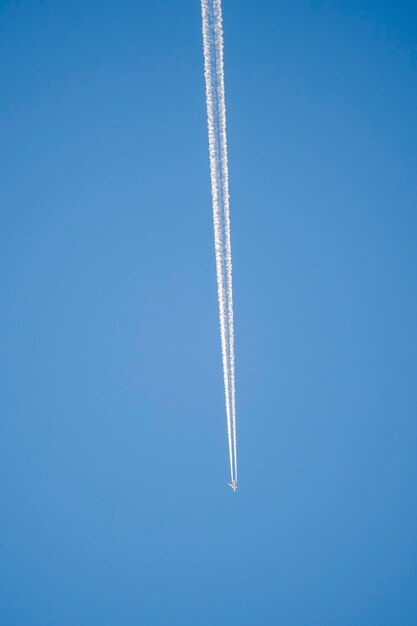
column 216, row 116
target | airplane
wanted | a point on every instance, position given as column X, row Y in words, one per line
column 233, row 485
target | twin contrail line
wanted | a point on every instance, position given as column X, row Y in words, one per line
column 216, row 118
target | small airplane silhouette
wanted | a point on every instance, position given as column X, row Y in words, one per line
column 233, row 485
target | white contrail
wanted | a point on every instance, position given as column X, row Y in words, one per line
column 216, row 116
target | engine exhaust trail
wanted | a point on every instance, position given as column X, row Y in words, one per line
column 216, row 119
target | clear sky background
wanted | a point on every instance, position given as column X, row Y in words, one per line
column 114, row 502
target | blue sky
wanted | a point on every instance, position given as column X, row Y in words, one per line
column 113, row 455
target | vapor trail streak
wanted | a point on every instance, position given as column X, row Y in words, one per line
column 216, row 116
